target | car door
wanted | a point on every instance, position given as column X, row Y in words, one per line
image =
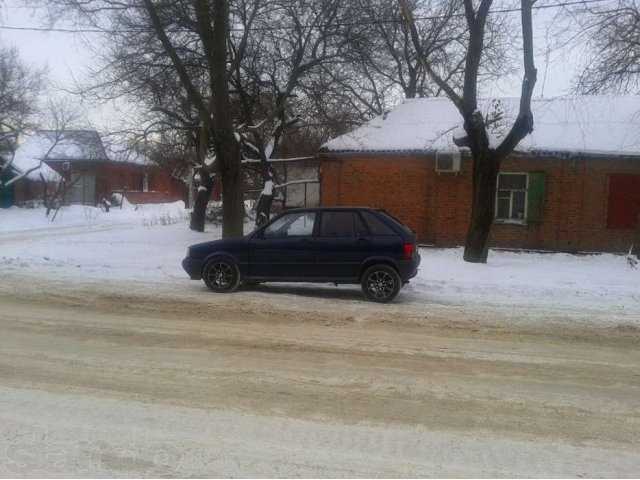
column 285, row 249
column 342, row 244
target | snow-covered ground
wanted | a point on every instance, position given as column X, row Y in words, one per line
column 114, row 364
column 147, row 243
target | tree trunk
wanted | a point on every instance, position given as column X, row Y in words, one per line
column 232, row 192
column 201, row 201
column 224, row 140
column 636, row 240
column 263, row 209
column 265, row 202
column 483, row 210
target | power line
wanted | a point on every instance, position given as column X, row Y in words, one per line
column 277, row 28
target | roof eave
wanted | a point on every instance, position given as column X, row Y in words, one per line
column 560, row 154
column 377, row 153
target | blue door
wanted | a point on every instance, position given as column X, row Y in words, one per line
column 7, row 194
column 343, row 243
column 286, row 248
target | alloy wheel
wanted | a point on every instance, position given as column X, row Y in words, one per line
column 380, row 284
column 220, row 275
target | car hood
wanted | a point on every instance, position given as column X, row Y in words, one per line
column 225, row 243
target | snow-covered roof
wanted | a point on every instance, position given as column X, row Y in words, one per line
column 28, row 157
column 605, row 125
column 121, row 153
column 69, row 145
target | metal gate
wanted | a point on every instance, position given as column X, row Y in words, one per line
column 83, row 188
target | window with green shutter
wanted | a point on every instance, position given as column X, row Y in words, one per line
column 535, row 197
column 520, row 198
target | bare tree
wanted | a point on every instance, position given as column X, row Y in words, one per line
column 268, row 68
column 19, row 89
column 214, row 113
column 290, row 64
column 172, row 58
column 486, row 156
column 61, row 117
column 381, row 66
column 609, row 34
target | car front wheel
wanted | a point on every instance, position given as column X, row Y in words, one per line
column 221, row 275
column 381, row 283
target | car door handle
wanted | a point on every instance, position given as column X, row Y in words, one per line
column 304, row 241
column 362, row 241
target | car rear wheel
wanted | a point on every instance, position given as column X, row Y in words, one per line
column 221, row 275
column 381, row 283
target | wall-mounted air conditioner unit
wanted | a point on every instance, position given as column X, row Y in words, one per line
column 448, row 162
column 66, row 166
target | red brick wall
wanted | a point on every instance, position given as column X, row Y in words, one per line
column 148, row 197
column 399, row 185
column 117, row 177
column 437, row 206
column 26, row 190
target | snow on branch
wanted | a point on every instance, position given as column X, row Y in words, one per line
column 20, row 176
column 295, row 182
column 277, row 160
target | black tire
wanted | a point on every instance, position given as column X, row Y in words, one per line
column 221, row 275
column 381, row 283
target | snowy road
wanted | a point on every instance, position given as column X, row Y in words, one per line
column 105, row 378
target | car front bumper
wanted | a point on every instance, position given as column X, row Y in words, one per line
column 193, row 267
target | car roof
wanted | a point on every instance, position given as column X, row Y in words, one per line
column 328, row 208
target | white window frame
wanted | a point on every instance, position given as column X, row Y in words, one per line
column 519, row 221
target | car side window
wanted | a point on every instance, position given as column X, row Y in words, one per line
column 298, row 224
column 377, row 226
column 337, row 224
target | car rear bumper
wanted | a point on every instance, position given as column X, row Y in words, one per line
column 193, row 267
column 408, row 268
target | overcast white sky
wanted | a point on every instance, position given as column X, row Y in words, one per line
column 66, row 56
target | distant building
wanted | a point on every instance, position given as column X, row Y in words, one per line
column 90, row 171
column 572, row 185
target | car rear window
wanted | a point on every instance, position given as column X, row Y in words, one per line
column 396, row 222
column 377, row 226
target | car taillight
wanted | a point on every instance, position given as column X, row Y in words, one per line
column 409, row 251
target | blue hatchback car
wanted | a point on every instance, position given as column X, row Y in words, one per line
column 323, row 244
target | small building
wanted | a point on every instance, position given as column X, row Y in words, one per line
column 90, row 171
column 299, row 177
column 25, row 179
column 572, row 185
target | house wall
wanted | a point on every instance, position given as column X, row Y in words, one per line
column 437, row 206
column 113, row 177
column 130, row 178
column 26, row 190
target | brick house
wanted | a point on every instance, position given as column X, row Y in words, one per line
column 90, row 171
column 572, row 185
